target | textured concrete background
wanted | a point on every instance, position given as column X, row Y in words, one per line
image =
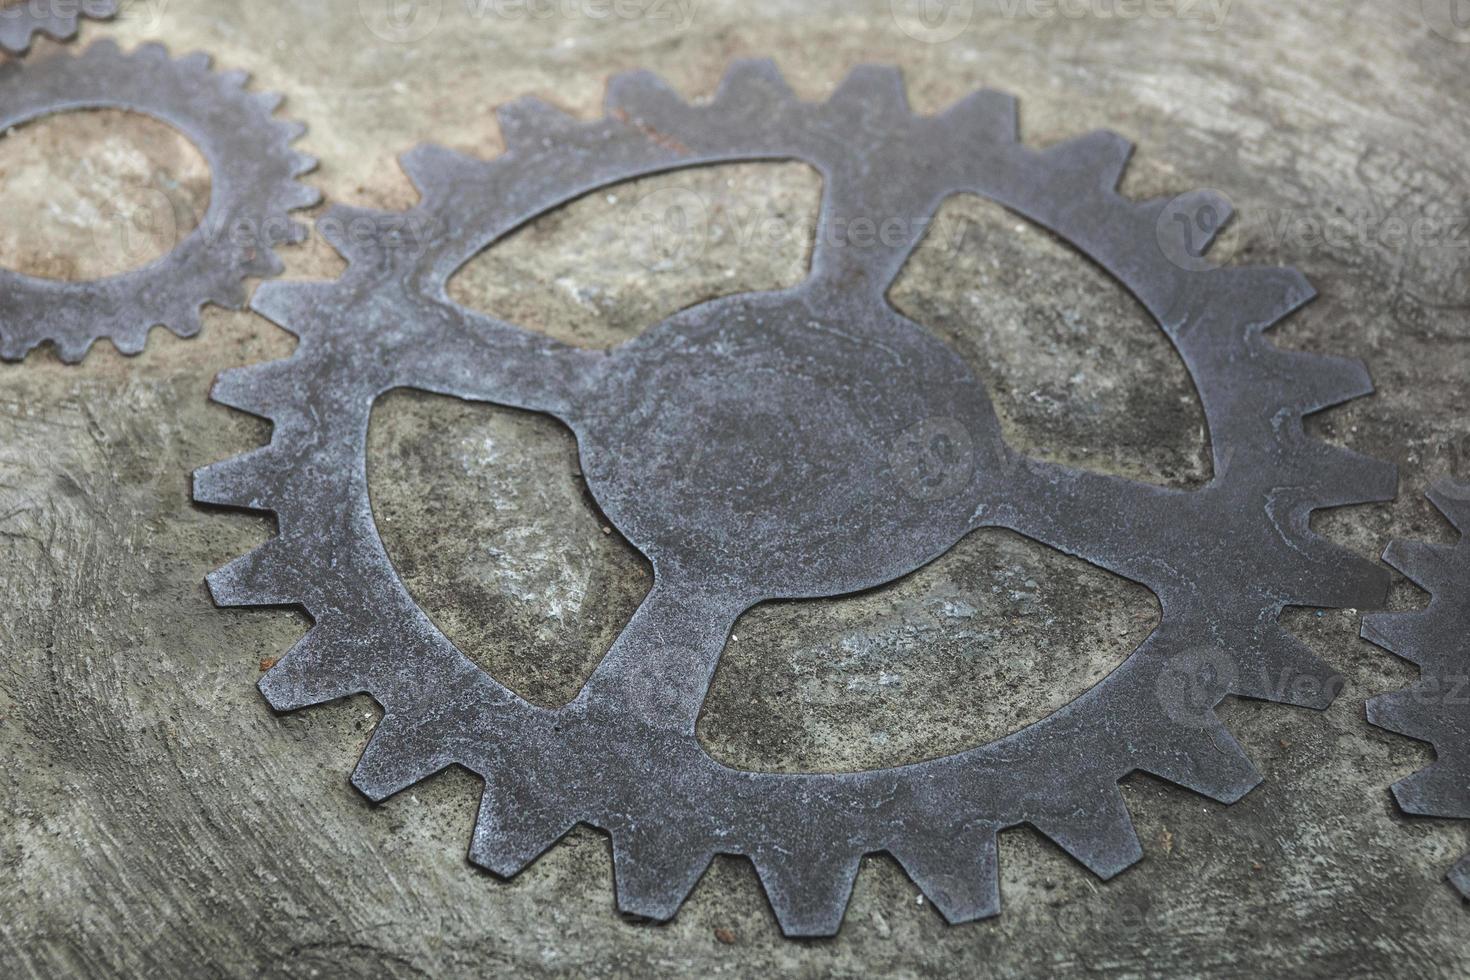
column 160, row 819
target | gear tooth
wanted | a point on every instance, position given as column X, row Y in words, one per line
column 397, row 757
column 197, row 62
column 987, row 113
column 531, row 123
column 73, row 350
column 1102, row 152
column 228, row 291
column 1344, row 477
column 436, row 170
column 314, row 671
column 513, row 828
column 877, row 86
column 1211, row 763
column 1319, row 381
column 809, row 894
column 961, row 875
column 654, row 876
column 1396, row 632
column 294, row 195
column 1100, row 834
column 238, row 482
column 1459, row 876
column 242, row 388
column 151, row 51
column 291, row 130
column 269, row 102
column 131, row 341
column 1437, row 791
column 260, row 578
column 753, row 82
column 303, row 164
column 341, row 225
column 639, row 94
column 1421, row 561
column 105, row 48
column 1340, row 579
column 1403, row 712
column 1453, row 501
column 1259, row 297
column 1285, row 670
column 234, row 78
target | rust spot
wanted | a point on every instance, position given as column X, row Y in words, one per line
column 726, row 936
column 662, row 139
column 267, row 663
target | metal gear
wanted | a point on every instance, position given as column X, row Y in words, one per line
column 1436, row 708
column 253, row 171
column 54, row 18
column 826, row 409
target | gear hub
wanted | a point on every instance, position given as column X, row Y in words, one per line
column 845, row 447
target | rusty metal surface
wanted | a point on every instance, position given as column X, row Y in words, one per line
column 799, row 443
column 254, row 188
column 1436, row 708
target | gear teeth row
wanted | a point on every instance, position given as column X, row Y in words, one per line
column 20, row 24
column 1436, row 708
column 230, row 126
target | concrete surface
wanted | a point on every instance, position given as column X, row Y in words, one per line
column 161, row 821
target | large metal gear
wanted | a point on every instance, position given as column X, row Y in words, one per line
column 254, row 187
column 22, row 21
column 1436, row 708
column 822, row 412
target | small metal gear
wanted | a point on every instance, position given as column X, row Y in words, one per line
column 253, row 172
column 57, row 19
column 826, row 410
column 1436, row 708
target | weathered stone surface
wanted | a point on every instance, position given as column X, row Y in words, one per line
column 162, row 820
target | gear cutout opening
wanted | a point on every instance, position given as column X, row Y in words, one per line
column 995, row 634
column 133, row 188
column 604, row 268
column 1078, row 372
column 483, row 512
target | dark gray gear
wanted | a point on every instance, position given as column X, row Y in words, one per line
column 54, row 18
column 1436, row 708
column 784, row 445
column 253, row 172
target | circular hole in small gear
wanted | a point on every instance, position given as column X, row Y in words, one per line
column 94, row 193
